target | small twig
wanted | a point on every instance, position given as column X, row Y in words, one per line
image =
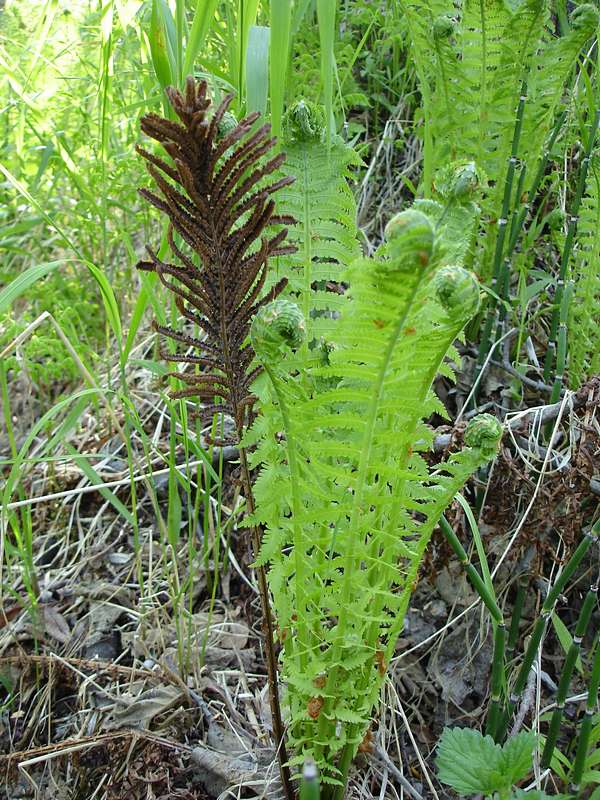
column 396, row 773
column 526, row 702
column 540, row 386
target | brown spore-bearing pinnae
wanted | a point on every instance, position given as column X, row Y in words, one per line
column 217, row 194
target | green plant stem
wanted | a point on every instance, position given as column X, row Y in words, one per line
column 586, row 725
column 540, row 627
column 503, row 221
column 517, row 612
column 557, row 345
column 567, row 674
column 309, row 783
column 475, row 578
column 497, row 681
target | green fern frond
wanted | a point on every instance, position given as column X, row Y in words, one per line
column 584, row 344
column 323, row 204
column 348, row 499
column 551, row 66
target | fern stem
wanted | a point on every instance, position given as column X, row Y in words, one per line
column 567, row 674
column 350, row 555
column 559, row 314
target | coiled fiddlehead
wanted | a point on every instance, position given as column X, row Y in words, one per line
column 484, row 433
column 275, row 327
column 304, row 122
column 410, row 236
column 458, row 291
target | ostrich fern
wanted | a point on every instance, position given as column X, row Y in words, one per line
column 216, row 192
column 344, row 492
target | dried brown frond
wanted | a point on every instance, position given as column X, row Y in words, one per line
column 216, row 191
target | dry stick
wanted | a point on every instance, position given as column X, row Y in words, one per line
column 540, row 626
column 408, row 788
column 567, row 673
column 586, row 725
column 557, row 345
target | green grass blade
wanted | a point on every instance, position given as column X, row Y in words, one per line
column 326, row 16
column 160, row 49
column 23, row 281
column 179, row 36
column 109, row 300
column 257, row 69
column 485, row 570
column 96, row 480
column 203, row 18
column 248, row 10
column 281, row 18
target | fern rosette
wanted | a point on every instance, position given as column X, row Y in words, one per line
column 347, row 501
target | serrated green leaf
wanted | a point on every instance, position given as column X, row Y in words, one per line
column 516, row 754
column 469, row 762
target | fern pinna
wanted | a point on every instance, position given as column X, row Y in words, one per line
column 322, row 202
column 584, row 345
column 475, row 62
column 216, row 194
column 344, row 492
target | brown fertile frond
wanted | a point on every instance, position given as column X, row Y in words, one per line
column 217, row 194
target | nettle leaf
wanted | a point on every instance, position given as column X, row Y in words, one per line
column 474, row 764
column 517, row 753
column 469, row 762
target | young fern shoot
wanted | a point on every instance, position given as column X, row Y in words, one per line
column 322, row 202
column 347, row 499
